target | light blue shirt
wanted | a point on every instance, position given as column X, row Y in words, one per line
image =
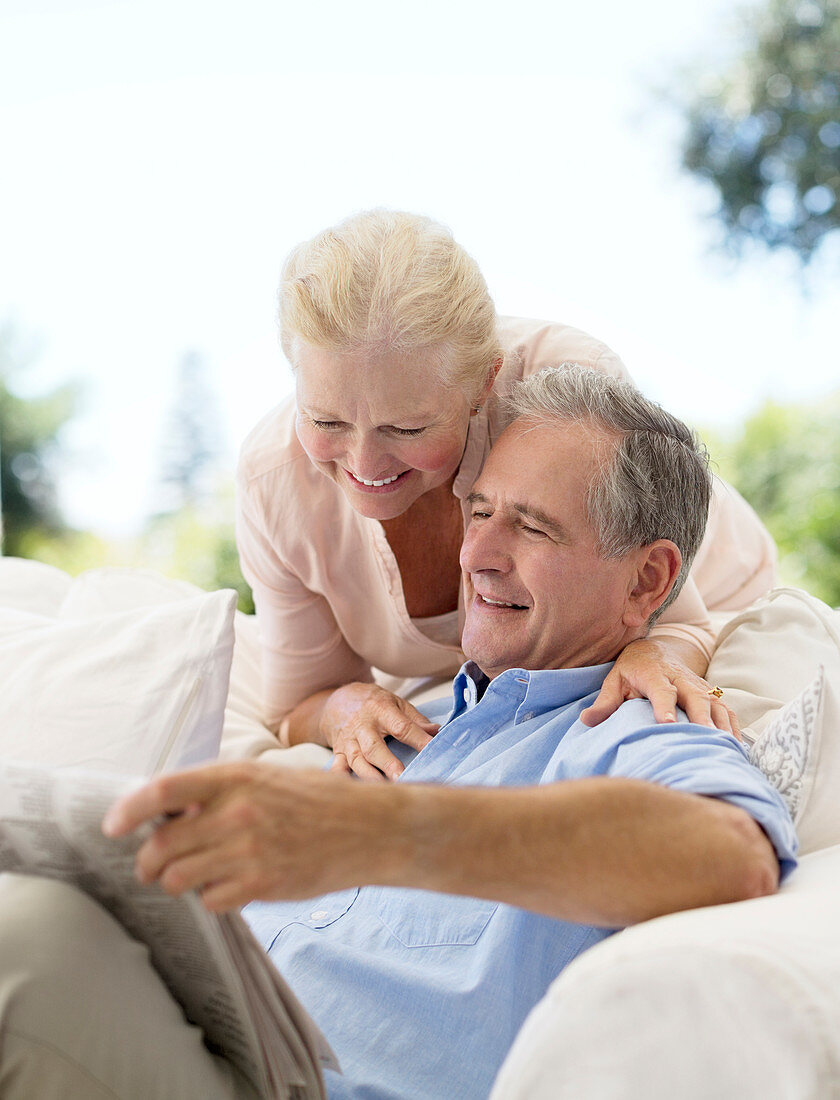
column 421, row 994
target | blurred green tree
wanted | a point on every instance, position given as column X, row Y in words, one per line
column 191, row 536
column 198, row 545
column 786, row 461
column 29, row 430
column 766, row 133
column 190, row 446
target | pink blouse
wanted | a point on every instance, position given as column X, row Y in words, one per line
column 328, row 593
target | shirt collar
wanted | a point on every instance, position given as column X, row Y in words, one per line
column 531, row 692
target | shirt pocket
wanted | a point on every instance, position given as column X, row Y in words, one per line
column 419, row 918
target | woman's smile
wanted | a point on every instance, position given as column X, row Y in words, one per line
column 378, row 485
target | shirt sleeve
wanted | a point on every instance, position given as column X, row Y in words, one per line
column 702, row 761
column 303, row 648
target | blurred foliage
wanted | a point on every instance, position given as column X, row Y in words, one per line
column 197, row 545
column 29, row 430
column 190, row 447
column 194, row 541
column 192, row 545
column 785, row 461
column 766, row 133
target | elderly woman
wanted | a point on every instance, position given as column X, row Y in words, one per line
column 352, row 496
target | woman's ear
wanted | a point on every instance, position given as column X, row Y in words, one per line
column 484, row 392
column 657, row 568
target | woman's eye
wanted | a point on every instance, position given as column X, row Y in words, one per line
column 328, row 425
column 406, row 431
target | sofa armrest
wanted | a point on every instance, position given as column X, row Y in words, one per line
column 730, row 1001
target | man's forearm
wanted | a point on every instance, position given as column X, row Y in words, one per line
column 605, row 851
column 602, row 851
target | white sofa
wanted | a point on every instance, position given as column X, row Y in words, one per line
column 732, row 1001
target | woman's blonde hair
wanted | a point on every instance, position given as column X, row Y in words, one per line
column 384, row 280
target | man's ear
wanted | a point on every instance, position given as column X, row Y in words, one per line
column 657, row 566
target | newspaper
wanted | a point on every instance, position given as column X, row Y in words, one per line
column 50, row 825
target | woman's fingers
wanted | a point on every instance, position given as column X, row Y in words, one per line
column 352, row 761
column 418, row 718
column 612, row 694
column 412, row 729
column 667, row 687
column 702, row 707
column 360, row 717
column 663, row 699
column 726, row 719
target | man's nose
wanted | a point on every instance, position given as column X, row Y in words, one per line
column 484, row 548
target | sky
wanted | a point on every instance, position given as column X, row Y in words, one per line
column 162, row 157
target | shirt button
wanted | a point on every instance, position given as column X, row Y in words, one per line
column 319, row 914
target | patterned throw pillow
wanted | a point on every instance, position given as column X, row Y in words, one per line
column 766, row 661
column 789, row 744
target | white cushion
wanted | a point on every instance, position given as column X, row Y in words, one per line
column 32, row 585
column 779, row 665
column 730, row 1001
column 245, row 735
column 111, row 685
column 767, row 654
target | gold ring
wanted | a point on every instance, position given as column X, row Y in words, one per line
column 716, row 691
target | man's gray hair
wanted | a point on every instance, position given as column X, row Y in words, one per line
column 654, row 484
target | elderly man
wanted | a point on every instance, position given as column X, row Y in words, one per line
column 444, row 905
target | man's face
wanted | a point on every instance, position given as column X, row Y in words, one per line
column 538, row 594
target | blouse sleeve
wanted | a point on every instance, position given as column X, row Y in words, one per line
column 531, row 345
column 303, row 649
column 735, row 565
column 687, row 618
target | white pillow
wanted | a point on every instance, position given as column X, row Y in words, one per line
column 244, row 734
column 138, row 690
column 768, row 653
column 32, row 585
column 779, row 665
column 111, row 588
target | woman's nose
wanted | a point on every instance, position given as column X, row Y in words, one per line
column 368, row 458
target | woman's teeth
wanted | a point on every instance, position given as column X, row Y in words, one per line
column 384, row 481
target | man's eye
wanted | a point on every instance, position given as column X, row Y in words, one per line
column 476, row 514
column 532, row 530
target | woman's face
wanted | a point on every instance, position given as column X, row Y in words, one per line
column 383, row 426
